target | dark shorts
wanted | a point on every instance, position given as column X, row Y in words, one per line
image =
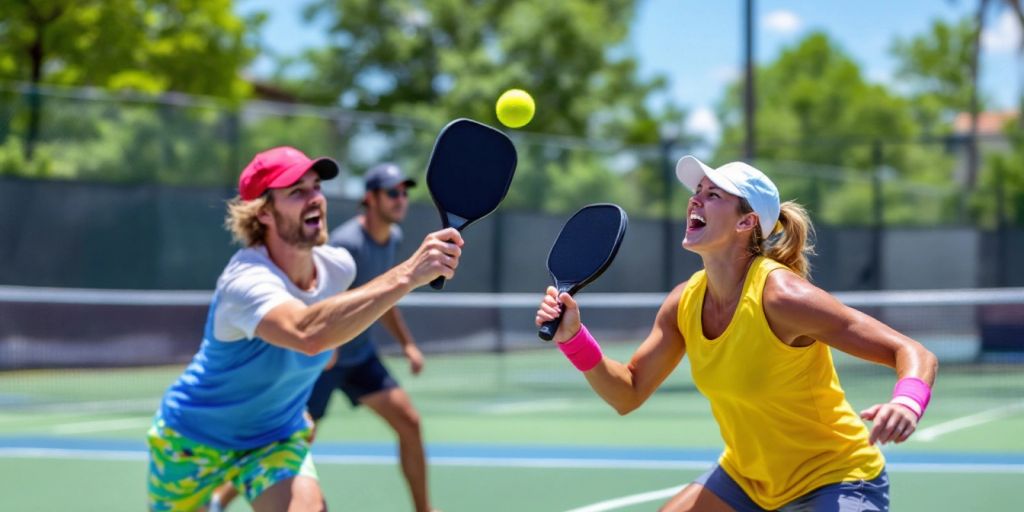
column 856, row 496
column 357, row 381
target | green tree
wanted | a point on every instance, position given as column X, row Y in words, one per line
column 1001, row 183
column 940, row 70
column 151, row 46
column 936, row 69
column 981, row 13
column 816, row 109
column 190, row 46
column 435, row 60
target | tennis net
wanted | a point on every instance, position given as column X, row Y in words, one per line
column 119, row 349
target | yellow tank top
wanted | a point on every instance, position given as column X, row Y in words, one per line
column 785, row 421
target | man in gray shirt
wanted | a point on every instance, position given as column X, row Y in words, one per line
column 372, row 238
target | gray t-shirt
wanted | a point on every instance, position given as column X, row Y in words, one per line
column 372, row 259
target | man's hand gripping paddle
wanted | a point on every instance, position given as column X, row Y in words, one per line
column 469, row 173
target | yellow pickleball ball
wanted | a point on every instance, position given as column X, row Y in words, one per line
column 515, row 108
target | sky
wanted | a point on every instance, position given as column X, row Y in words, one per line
column 697, row 44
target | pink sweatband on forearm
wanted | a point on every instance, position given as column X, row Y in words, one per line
column 582, row 350
column 912, row 393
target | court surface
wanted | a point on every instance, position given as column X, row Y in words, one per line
column 516, row 431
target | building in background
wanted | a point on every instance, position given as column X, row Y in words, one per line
column 991, row 136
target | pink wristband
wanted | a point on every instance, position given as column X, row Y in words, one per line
column 582, row 350
column 912, row 393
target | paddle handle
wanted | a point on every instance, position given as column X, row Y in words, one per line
column 448, row 220
column 548, row 329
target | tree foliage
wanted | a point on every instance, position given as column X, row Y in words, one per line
column 143, row 47
column 454, row 57
column 190, row 46
column 815, row 108
column 1002, row 180
column 981, row 12
column 934, row 68
column 435, row 60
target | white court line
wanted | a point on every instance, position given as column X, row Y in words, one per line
column 551, row 404
column 644, row 497
column 80, row 408
column 957, row 467
column 564, row 463
column 61, row 453
column 80, row 427
column 498, row 462
column 626, row 501
column 375, row 460
column 932, row 433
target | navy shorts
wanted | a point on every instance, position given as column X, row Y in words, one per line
column 357, row 381
column 856, row 496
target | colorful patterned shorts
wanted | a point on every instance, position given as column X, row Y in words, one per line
column 183, row 473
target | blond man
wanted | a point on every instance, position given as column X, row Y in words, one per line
column 279, row 310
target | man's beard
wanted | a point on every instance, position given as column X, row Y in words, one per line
column 294, row 232
column 393, row 216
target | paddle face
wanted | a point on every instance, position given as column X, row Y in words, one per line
column 584, row 249
column 469, row 174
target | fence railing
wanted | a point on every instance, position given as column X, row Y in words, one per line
column 174, row 139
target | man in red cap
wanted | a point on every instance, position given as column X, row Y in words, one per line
column 280, row 308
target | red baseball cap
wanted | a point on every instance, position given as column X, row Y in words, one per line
column 281, row 167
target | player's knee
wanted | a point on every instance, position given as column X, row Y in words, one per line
column 411, row 420
column 312, row 505
column 308, row 497
column 408, row 422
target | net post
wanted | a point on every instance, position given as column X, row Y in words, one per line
column 668, row 174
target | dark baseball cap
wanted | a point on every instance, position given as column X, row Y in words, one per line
column 386, row 175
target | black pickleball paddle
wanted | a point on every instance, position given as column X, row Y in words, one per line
column 584, row 249
column 470, row 171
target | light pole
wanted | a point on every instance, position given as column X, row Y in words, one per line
column 749, row 101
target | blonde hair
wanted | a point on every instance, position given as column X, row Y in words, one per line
column 791, row 245
column 243, row 222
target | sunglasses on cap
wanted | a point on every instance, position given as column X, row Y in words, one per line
column 395, row 193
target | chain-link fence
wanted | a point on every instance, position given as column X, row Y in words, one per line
column 92, row 135
column 131, row 185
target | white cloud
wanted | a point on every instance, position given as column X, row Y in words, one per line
column 879, row 75
column 781, row 22
column 703, row 121
column 723, row 75
column 1003, row 36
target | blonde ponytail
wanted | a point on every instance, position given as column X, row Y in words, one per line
column 793, row 244
column 790, row 243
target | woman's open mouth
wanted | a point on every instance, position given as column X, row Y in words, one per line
column 695, row 222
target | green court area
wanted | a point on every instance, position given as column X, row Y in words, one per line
column 514, row 431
